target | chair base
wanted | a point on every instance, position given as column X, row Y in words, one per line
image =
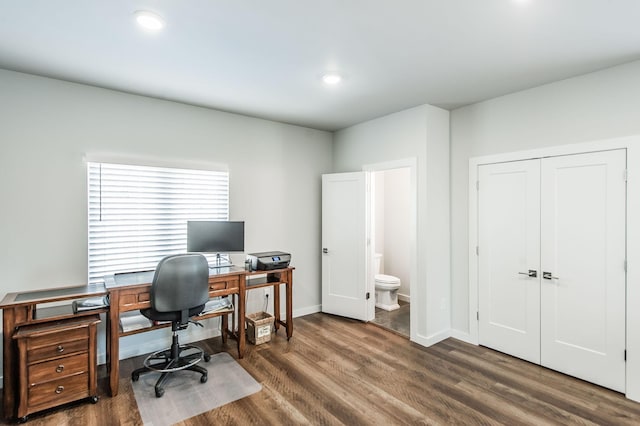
column 171, row 360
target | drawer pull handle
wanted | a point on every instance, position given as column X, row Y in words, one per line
column 59, row 368
column 60, row 348
column 59, row 389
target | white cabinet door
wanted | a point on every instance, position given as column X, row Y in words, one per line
column 583, row 243
column 509, row 241
column 345, row 231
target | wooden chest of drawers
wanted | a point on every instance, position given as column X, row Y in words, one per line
column 57, row 363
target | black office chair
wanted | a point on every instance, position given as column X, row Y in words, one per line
column 179, row 290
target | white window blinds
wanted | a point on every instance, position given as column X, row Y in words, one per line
column 138, row 214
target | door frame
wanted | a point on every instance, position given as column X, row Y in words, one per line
column 632, row 145
column 412, row 165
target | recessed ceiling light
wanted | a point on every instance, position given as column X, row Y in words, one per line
column 149, row 20
column 331, row 78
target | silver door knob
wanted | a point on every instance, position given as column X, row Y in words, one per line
column 532, row 273
column 549, row 276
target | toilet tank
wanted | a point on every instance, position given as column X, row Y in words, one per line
column 377, row 263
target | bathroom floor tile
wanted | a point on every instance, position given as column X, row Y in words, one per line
column 397, row 320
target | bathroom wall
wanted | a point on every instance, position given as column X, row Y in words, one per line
column 396, row 228
column 377, row 202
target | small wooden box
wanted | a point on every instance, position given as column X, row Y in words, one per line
column 259, row 327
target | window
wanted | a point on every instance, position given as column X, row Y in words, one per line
column 138, row 214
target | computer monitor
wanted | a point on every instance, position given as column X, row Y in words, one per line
column 215, row 236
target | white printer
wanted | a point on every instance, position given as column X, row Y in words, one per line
column 268, row 260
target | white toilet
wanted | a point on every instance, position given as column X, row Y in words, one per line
column 386, row 287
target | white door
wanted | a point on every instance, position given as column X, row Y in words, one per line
column 345, row 232
column 583, row 255
column 509, row 258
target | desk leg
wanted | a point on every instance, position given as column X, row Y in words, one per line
column 108, row 342
column 276, row 306
column 242, row 294
column 224, row 328
column 9, row 363
column 289, row 290
column 113, row 342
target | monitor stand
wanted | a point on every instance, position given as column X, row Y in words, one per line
column 220, row 262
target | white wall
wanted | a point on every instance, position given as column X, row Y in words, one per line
column 46, row 128
column 396, row 227
column 377, row 201
column 600, row 105
column 421, row 133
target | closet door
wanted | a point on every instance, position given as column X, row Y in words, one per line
column 583, row 253
column 509, row 248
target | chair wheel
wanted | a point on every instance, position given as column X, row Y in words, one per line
column 204, row 379
column 207, row 357
column 159, row 392
column 135, row 377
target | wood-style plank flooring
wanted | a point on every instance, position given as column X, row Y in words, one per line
column 338, row 371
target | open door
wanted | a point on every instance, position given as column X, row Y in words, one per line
column 345, row 245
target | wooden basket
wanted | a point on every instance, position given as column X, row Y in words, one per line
column 259, row 327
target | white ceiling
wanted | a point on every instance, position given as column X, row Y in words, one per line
column 264, row 58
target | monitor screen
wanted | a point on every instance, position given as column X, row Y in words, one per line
column 215, row 236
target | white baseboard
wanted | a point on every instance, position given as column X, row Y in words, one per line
column 432, row 339
column 404, row 298
column 306, row 311
column 464, row 336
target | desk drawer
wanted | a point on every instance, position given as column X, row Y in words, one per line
column 55, row 337
column 223, row 283
column 131, row 300
column 58, row 368
column 57, row 350
column 56, row 392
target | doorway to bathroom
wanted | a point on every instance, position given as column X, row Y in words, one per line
column 392, row 219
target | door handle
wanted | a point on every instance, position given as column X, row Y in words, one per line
column 549, row 276
column 325, row 250
column 532, row 273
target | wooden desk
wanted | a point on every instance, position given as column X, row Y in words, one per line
column 131, row 292
column 128, row 292
column 34, row 307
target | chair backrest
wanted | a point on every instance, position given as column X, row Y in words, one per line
column 181, row 282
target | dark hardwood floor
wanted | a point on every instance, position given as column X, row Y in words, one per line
column 339, row 371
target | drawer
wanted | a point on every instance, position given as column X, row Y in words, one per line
column 56, row 337
column 223, row 284
column 58, row 350
column 56, row 392
column 131, row 300
column 58, row 368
